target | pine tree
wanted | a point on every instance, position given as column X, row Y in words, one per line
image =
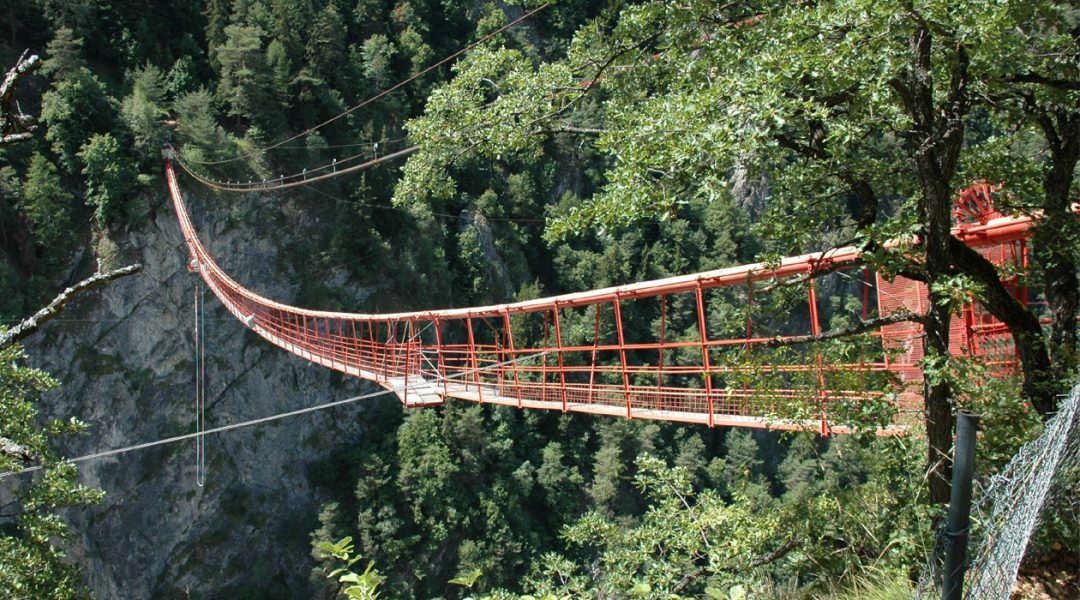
column 46, row 203
column 143, row 111
column 245, row 78
column 326, row 48
column 65, row 54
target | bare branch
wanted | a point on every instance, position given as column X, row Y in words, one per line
column 32, row 323
column 862, row 327
column 13, row 123
column 1062, row 84
column 773, row 556
column 571, row 129
column 777, row 554
column 13, row 450
column 15, row 137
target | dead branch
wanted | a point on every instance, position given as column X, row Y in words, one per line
column 820, row 267
column 32, row 323
column 14, row 125
column 862, row 327
column 13, row 450
column 773, row 556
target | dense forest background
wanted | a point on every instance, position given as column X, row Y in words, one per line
column 520, row 501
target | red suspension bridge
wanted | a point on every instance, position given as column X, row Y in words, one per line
column 588, row 352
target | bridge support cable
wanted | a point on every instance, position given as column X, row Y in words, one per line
column 242, row 424
column 385, row 92
column 200, row 384
column 674, row 376
column 302, row 178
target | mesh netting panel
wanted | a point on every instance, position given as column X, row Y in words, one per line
column 1008, row 508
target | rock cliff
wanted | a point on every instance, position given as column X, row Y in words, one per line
column 124, row 355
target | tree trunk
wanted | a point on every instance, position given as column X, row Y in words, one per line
column 934, row 144
column 1055, row 239
column 936, row 389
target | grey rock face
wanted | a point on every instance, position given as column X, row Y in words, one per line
column 125, row 357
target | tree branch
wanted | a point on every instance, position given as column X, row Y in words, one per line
column 822, row 266
column 862, row 327
column 1062, row 84
column 777, row 554
column 957, row 106
column 11, row 121
column 13, row 450
column 32, row 323
column 687, row 579
column 570, row 129
column 773, row 556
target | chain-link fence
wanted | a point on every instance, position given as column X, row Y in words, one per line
column 1042, row 477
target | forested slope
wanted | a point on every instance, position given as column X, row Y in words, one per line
column 595, row 144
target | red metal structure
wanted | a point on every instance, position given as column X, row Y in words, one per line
column 586, row 352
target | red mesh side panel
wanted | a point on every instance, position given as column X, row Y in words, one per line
column 989, row 337
column 904, row 341
column 974, row 332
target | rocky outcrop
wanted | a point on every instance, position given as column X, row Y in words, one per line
column 124, row 355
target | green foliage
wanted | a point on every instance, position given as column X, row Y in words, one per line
column 110, row 177
column 687, row 543
column 467, row 579
column 47, row 204
column 872, row 588
column 326, row 51
column 76, row 108
column 245, row 77
column 143, row 111
column 378, row 53
column 637, row 141
column 64, row 55
column 355, row 586
column 32, row 564
column 197, row 129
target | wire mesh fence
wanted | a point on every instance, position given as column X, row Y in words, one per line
column 1043, row 477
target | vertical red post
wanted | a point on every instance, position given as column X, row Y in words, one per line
column 1024, row 269
column 328, row 345
column 547, row 338
column 663, row 340
column 815, row 330
column 441, row 359
column 385, row 350
column 408, row 356
column 305, row 342
column 344, row 351
column 513, row 355
column 596, row 343
column 622, row 358
column 374, row 348
column 558, row 348
column 866, row 293
column 706, row 368
column 355, row 344
column 475, row 363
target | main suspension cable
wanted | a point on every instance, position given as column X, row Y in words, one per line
column 294, row 179
column 379, row 95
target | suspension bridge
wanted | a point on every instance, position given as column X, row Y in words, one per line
column 587, row 352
